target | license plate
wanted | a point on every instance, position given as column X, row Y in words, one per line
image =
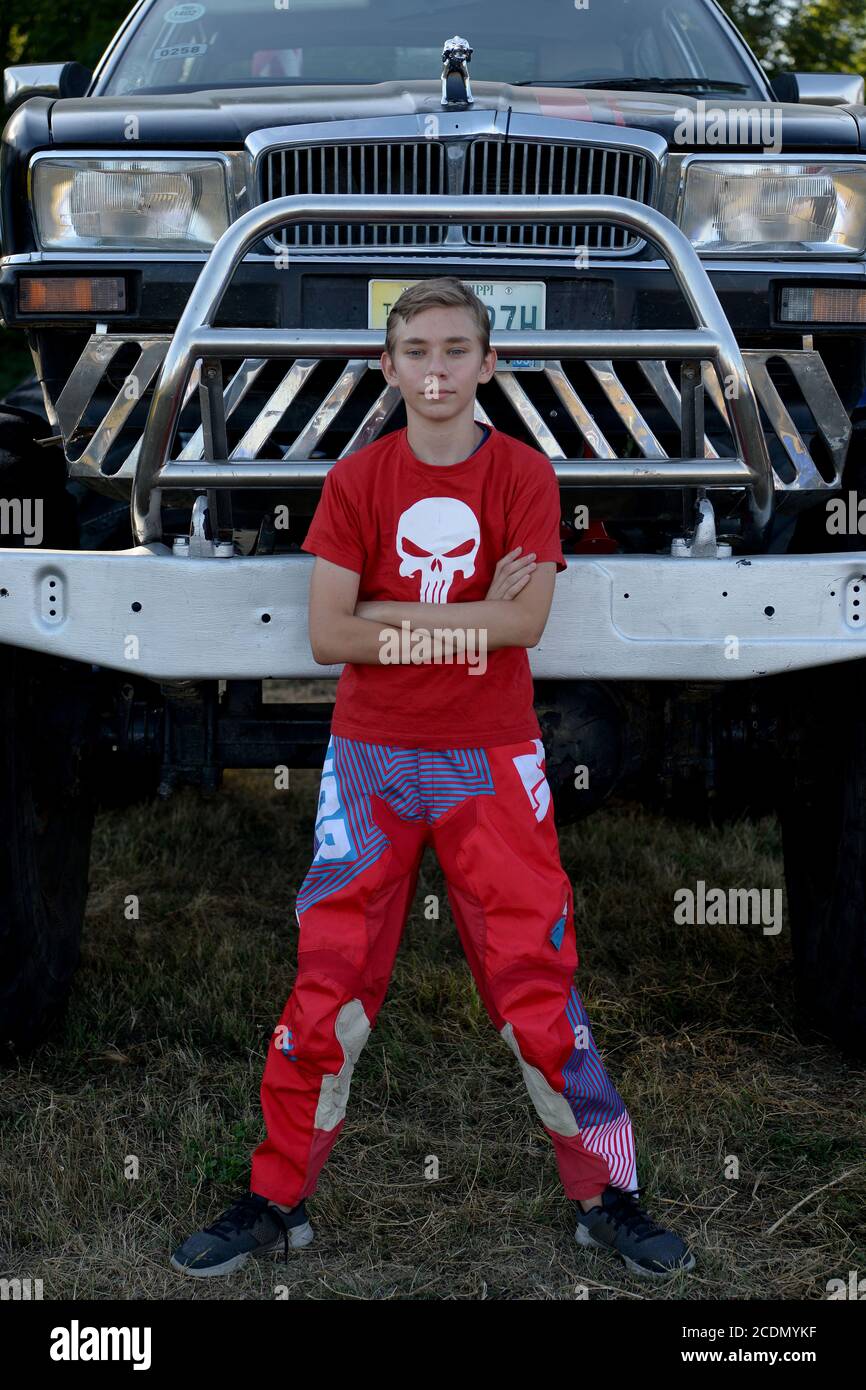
column 513, row 305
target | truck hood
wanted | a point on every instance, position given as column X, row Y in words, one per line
column 226, row 116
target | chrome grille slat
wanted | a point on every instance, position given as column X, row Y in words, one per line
column 323, row 178
column 309, row 184
column 528, row 228
column 578, row 411
column 270, row 416
column 376, row 417
column 828, row 411
column 486, row 148
column 514, row 392
column 806, row 474
column 502, row 232
column 92, row 364
column 97, row 361
column 626, row 409
column 642, row 176
column 563, row 189
column 322, row 419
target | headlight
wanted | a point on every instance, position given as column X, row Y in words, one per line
column 158, row 204
column 762, row 208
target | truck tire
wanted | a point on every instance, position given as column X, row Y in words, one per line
column 46, row 797
column 822, row 813
column 47, row 809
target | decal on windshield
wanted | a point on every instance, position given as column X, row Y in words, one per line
column 178, row 50
column 182, row 14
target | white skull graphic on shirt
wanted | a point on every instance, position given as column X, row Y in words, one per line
column 437, row 538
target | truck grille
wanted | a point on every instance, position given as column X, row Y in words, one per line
column 523, row 166
column 417, row 167
column 490, row 167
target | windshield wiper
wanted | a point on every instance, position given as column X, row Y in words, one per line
column 646, row 84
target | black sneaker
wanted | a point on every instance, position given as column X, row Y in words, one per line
column 250, row 1227
column 620, row 1224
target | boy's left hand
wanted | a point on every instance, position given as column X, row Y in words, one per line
column 512, row 573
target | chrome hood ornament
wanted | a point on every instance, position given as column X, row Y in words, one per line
column 456, row 56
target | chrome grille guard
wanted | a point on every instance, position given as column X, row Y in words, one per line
column 711, row 341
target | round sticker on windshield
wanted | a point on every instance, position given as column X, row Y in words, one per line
column 182, row 14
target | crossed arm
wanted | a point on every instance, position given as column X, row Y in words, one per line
column 513, row 614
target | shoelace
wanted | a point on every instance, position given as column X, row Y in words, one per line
column 625, row 1211
column 244, row 1215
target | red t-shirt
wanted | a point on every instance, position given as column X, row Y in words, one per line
column 431, row 533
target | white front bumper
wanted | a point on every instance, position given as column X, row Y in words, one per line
column 613, row 616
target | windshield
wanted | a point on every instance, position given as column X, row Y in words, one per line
column 271, row 42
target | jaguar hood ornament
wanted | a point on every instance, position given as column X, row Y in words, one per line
column 456, row 56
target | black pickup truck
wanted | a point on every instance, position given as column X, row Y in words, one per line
column 201, row 241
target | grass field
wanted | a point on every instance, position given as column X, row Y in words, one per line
column 162, row 1055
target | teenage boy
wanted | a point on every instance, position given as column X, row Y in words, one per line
column 437, row 549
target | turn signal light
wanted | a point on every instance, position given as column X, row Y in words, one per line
column 816, row 304
column 67, row 295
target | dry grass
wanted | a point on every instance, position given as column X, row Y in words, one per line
column 163, row 1051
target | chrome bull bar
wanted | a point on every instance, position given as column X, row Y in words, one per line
column 711, row 341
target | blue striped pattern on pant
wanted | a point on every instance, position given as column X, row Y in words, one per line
column 419, row 784
column 588, row 1088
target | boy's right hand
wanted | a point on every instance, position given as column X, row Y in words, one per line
column 511, row 574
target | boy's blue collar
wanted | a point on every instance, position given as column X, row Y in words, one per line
column 486, row 429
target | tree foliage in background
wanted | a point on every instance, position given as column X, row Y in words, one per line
column 833, row 34
column 761, row 23
column 36, row 31
column 809, row 35
column 815, row 36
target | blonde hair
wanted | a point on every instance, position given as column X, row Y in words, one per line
column 443, row 291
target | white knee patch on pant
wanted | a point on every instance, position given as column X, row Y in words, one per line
column 552, row 1107
column 352, row 1030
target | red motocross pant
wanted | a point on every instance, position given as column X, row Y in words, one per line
column 488, row 814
